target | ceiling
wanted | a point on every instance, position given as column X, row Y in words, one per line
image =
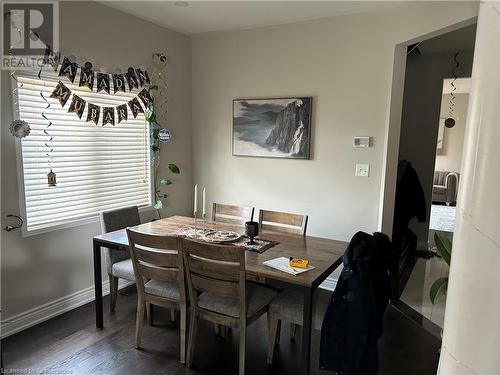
column 459, row 40
column 210, row 16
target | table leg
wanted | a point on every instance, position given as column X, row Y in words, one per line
column 306, row 332
column 98, row 285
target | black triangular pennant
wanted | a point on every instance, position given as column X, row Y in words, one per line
column 68, row 69
column 122, row 112
column 131, row 79
column 62, row 93
column 118, row 83
column 103, row 82
column 108, row 116
column 77, row 105
column 93, row 113
column 135, row 107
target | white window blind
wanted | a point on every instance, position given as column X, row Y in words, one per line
column 97, row 167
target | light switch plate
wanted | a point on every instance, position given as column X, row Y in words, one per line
column 362, row 170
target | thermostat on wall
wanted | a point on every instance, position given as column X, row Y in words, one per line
column 362, row 141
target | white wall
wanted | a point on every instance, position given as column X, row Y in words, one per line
column 471, row 337
column 346, row 64
column 451, row 158
column 40, row 269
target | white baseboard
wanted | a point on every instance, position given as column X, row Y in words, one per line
column 49, row 310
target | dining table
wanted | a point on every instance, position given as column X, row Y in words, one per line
column 325, row 255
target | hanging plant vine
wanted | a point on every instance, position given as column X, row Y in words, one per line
column 155, row 129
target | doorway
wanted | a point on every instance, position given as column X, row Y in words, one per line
column 425, row 147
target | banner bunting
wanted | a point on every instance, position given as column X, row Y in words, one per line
column 134, row 78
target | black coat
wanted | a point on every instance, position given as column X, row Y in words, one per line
column 353, row 321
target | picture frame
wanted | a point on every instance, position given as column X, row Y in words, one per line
column 272, row 127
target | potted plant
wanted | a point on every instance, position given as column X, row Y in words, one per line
column 440, row 286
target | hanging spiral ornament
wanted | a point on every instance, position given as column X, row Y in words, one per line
column 18, row 128
column 450, row 121
column 51, row 176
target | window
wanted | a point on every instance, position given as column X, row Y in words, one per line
column 98, row 168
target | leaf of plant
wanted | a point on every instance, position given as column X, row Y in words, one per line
column 165, row 182
column 154, row 87
column 438, row 288
column 154, row 148
column 443, row 246
column 174, row 168
column 158, row 205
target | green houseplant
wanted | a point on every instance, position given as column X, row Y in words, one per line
column 440, row 286
column 158, row 183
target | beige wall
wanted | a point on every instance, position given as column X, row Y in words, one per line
column 42, row 268
column 451, row 158
column 346, row 64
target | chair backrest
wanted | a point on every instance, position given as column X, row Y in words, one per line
column 225, row 213
column 283, row 222
column 215, row 269
column 112, row 220
column 120, row 218
column 156, row 258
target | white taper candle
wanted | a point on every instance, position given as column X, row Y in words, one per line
column 204, row 212
column 195, row 199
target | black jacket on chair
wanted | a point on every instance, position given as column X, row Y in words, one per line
column 353, row 321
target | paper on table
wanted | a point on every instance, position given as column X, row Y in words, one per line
column 283, row 264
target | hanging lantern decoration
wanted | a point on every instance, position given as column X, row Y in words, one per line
column 450, row 121
column 51, row 178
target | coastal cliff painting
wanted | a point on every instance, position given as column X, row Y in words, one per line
column 278, row 128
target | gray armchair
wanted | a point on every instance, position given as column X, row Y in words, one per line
column 118, row 262
column 445, row 187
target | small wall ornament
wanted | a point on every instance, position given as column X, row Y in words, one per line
column 164, row 135
column 20, row 128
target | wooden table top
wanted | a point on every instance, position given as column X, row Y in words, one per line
column 324, row 254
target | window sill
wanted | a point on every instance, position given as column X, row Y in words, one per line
column 69, row 224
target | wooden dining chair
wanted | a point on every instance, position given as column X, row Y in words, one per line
column 288, row 307
column 159, row 276
column 219, row 293
column 283, row 222
column 118, row 263
column 225, row 213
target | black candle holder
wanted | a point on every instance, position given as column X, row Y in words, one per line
column 251, row 230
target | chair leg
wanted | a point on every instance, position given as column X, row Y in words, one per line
column 149, row 313
column 183, row 314
column 278, row 333
column 272, row 327
column 193, row 326
column 243, row 340
column 293, row 331
column 139, row 322
column 172, row 315
column 113, row 292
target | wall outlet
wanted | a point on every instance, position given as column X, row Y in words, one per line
column 362, row 170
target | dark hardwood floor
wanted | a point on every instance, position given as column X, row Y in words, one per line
column 70, row 344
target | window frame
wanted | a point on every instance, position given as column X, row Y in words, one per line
column 64, row 224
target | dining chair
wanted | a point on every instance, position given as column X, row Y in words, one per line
column 219, row 292
column 118, row 262
column 288, row 306
column 159, row 275
column 286, row 223
column 225, row 213
column 283, row 222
